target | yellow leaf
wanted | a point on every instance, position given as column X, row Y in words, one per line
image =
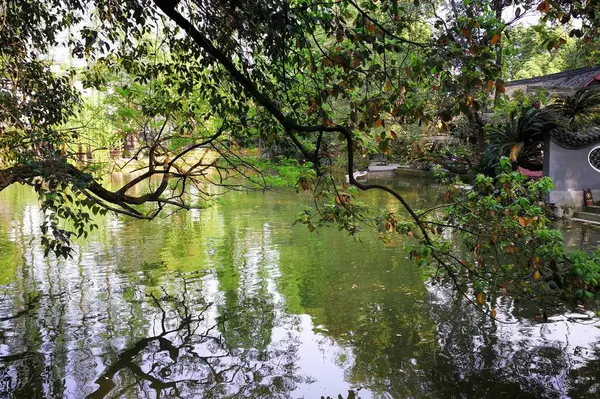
column 490, row 85
column 514, row 152
column 494, row 313
column 480, row 298
column 495, row 39
column 537, row 276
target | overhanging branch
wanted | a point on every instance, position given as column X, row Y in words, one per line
column 287, row 123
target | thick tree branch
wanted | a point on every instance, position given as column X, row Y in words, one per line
column 288, row 124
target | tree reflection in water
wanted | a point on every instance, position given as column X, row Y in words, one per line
column 185, row 356
column 355, row 320
column 516, row 357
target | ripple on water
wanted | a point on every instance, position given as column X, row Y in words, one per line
column 293, row 315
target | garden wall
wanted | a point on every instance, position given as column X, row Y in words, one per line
column 571, row 172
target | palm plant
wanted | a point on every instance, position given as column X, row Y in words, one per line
column 573, row 120
column 580, row 110
column 521, row 139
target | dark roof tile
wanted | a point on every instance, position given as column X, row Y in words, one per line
column 574, row 78
column 573, row 140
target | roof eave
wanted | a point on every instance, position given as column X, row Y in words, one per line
column 594, row 79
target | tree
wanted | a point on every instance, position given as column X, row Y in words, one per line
column 309, row 72
column 539, row 50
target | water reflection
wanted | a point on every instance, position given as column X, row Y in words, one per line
column 161, row 345
column 578, row 235
column 187, row 356
column 235, row 302
column 516, row 357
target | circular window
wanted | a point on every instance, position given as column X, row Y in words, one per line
column 594, row 158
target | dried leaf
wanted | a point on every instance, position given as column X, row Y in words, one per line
column 480, row 298
column 544, row 6
column 495, row 39
column 500, row 87
column 371, row 28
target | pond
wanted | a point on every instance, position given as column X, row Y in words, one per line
column 235, row 301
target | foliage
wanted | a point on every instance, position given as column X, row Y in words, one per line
column 509, row 107
column 514, row 247
column 426, row 145
column 580, row 110
column 285, row 172
column 521, row 137
column 339, row 208
column 510, row 246
column 540, row 49
column 330, row 78
column 584, row 274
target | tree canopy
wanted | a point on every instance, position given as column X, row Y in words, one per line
column 323, row 78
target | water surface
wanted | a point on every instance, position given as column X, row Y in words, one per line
column 234, row 301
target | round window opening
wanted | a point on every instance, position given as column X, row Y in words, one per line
column 594, row 158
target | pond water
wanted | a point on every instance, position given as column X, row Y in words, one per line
column 234, row 301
